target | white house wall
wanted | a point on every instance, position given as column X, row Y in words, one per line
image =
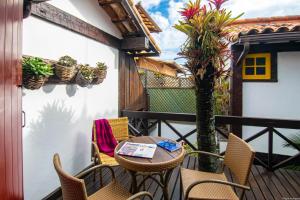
column 59, row 117
column 274, row 100
column 90, row 12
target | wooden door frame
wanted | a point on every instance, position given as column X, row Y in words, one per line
column 11, row 168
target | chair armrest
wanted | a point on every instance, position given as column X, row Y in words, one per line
column 96, row 152
column 204, row 153
column 97, row 167
column 141, row 194
column 215, row 181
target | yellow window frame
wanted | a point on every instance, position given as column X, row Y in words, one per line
column 267, row 75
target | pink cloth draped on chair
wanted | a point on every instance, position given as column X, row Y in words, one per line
column 105, row 139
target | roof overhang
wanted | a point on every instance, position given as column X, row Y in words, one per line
column 270, row 38
column 170, row 68
column 279, row 29
column 127, row 18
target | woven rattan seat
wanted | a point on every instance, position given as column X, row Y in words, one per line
column 204, row 185
column 111, row 191
column 206, row 190
column 73, row 188
column 119, row 128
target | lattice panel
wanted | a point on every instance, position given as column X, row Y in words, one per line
column 175, row 100
column 152, row 80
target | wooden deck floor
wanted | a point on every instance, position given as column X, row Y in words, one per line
column 281, row 184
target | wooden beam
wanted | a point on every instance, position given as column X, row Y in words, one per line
column 271, row 37
column 109, row 2
column 120, row 20
column 148, row 54
column 135, row 43
column 65, row 20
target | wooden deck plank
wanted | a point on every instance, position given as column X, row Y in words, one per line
column 255, row 187
column 294, row 184
column 294, row 176
column 264, row 185
column 285, row 183
column 175, row 186
column 269, row 183
column 278, row 184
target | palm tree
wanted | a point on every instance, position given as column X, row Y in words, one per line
column 206, row 52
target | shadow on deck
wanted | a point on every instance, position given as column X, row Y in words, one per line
column 280, row 184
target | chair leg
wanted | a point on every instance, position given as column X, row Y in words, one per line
column 144, row 184
column 101, row 180
column 95, row 171
column 242, row 195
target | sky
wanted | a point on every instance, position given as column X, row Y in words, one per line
column 165, row 13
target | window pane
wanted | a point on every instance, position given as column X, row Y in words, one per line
column 249, row 71
column 260, row 61
column 260, row 70
column 249, row 61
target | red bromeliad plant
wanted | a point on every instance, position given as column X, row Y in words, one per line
column 206, row 51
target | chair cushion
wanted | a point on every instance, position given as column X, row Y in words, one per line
column 110, row 192
column 206, row 190
column 107, row 160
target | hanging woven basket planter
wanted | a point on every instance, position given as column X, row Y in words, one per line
column 99, row 75
column 64, row 73
column 84, row 75
column 35, row 72
column 34, row 82
column 82, row 81
column 65, row 68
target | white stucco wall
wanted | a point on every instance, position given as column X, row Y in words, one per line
column 90, row 12
column 274, row 100
column 59, row 117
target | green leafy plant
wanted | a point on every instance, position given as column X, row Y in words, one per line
column 206, row 51
column 221, row 97
column 67, row 61
column 296, row 140
column 158, row 75
column 33, row 66
column 86, row 71
column 141, row 72
column 101, row 66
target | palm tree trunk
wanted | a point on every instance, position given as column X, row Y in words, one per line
column 206, row 139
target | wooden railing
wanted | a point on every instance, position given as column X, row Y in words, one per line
column 142, row 122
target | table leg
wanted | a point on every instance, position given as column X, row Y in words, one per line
column 133, row 182
column 164, row 181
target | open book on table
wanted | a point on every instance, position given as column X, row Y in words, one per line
column 137, row 150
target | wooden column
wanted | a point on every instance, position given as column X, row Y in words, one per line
column 11, row 181
column 132, row 95
column 236, row 98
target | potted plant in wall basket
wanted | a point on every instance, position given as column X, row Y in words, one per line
column 100, row 73
column 159, row 77
column 65, row 68
column 85, row 75
column 35, row 72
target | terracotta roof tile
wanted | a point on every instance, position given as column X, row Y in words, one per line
column 254, row 26
column 148, row 21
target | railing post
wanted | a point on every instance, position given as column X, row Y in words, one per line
column 270, row 151
column 159, row 128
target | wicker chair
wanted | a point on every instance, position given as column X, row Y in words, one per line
column 73, row 188
column 204, row 185
column 120, row 130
